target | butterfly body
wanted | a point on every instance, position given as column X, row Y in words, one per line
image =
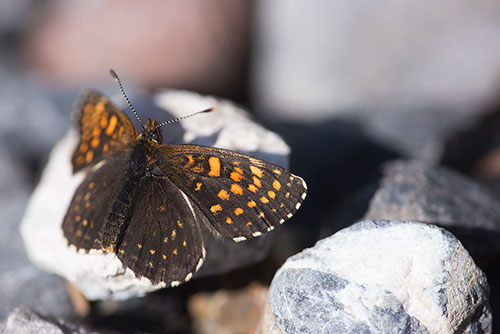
column 147, row 202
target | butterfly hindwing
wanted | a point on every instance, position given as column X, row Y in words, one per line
column 104, row 130
column 241, row 196
column 163, row 241
column 84, row 221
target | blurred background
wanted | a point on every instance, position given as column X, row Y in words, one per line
column 348, row 84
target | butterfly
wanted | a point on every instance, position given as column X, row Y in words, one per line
column 147, row 202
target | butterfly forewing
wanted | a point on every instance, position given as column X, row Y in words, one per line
column 104, row 130
column 241, row 196
column 163, row 241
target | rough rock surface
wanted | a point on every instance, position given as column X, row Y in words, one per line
column 25, row 321
column 101, row 276
column 382, row 276
column 411, row 190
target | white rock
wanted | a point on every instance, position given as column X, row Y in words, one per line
column 381, row 277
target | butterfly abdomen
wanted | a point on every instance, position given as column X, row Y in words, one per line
column 118, row 218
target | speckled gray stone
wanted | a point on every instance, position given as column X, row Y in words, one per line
column 412, row 190
column 382, row 277
column 25, row 321
column 101, row 276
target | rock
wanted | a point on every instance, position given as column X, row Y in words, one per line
column 228, row 311
column 31, row 287
column 411, row 190
column 101, row 276
column 26, row 321
column 382, row 276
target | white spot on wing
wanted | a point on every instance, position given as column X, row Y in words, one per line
column 270, row 228
column 200, row 263
column 281, row 221
column 289, row 215
column 188, row 277
column 257, row 234
column 238, row 239
column 174, row 284
column 297, row 206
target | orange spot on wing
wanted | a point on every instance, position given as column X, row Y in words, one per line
column 175, row 251
column 79, row 160
column 190, row 161
column 257, row 171
column 238, row 211
column 95, row 142
column 152, row 251
column 229, row 220
column 252, row 188
column 271, row 194
column 277, row 185
column 89, row 156
column 236, row 189
column 96, row 132
column 252, row 204
column 236, row 177
column 100, row 107
column 198, row 186
column 257, row 181
column 113, row 121
column 103, row 122
column 223, row 195
column 105, row 147
column 239, row 170
column 214, row 166
column 83, row 147
column 216, row 208
column 264, row 200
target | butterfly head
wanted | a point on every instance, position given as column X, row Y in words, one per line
column 151, row 133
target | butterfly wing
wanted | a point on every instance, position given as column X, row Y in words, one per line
column 163, row 241
column 240, row 196
column 84, row 221
column 104, row 130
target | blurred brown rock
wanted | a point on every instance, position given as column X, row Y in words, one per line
column 196, row 45
column 228, row 311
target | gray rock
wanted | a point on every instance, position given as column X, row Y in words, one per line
column 382, row 277
column 25, row 321
column 411, row 190
column 101, row 276
column 31, row 287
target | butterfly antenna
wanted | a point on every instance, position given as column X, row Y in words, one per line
column 183, row 117
column 115, row 76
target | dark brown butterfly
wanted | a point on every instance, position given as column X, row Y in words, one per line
column 146, row 202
